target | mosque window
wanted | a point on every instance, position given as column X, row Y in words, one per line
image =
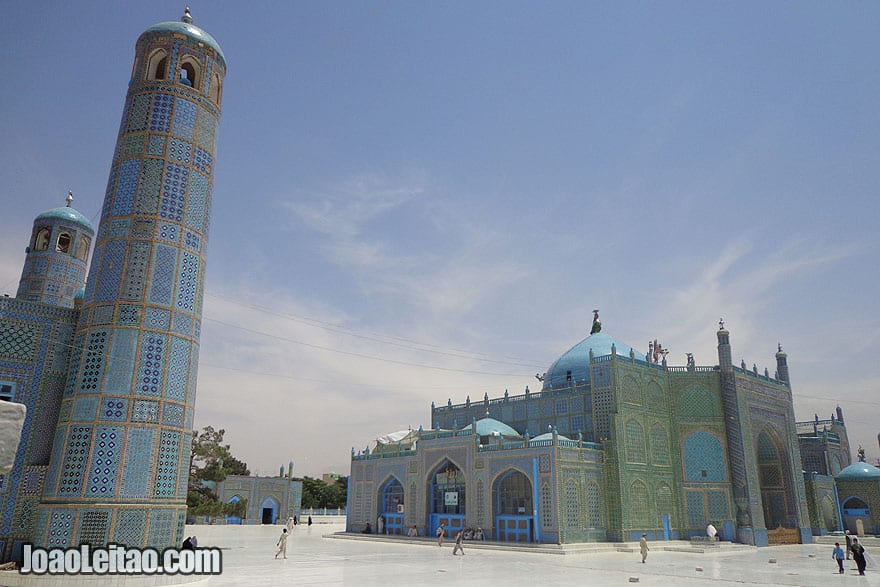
column 157, row 66
column 189, row 72
column 635, row 443
column 82, row 251
column 63, row 243
column 572, row 504
column 41, row 239
column 594, row 505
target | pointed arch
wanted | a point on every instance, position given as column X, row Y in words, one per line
column 572, row 504
column 41, row 238
column 594, row 505
column 157, row 65
column 190, row 72
column 640, row 505
column 659, row 444
column 635, row 443
column 775, row 480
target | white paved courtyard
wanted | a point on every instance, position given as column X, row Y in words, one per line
column 316, row 559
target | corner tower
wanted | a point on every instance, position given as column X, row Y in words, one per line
column 55, row 260
column 120, row 461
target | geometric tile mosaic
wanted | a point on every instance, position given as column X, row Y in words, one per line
column 124, row 350
column 85, row 408
column 172, row 415
column 178, row 367
column 147, row 201
column 114, row 409
column 139, row 456
column 162, row 527
column 18, row 341
column 167, row 465
column 182, row 324
column 157, row 319
column 168, row 232
column 93, row 527
column 192, row 240
column 136, row 271
column 60, row 528
column 110, row 271
column 151, row 363
column 174, row 192
column 162, row 280
column 189, row 270
column 105, row 461
column 139, row 113
column 93, row 365
column 704, row 458
column 77, row 446
column 132, row 146
column 131, row 526
column 184, row 118
column 203, row 161
column 206, row 130
column 145, row 411
column 126, row 187
column 156, row 145
column 161, row 115
column 197, row 201
column 180, row 150
column 129, row 315
column 142, row 228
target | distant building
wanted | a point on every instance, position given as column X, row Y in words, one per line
column 331, row 478
column 270, row 500
column 616, row 444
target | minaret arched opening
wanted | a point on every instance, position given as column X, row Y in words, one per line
column 63, row 243
column 189, row 72
column 41, row 238
column 157, row 65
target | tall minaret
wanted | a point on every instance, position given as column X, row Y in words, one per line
column 120, row 461
column 55, row 260
column 735, row 441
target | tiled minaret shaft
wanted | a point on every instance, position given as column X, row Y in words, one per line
column 120, row 461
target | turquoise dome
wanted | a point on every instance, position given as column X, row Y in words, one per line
column 190, row 30
column 859, row 471
column 489, row 426
column 577, row 360
column 67, row 214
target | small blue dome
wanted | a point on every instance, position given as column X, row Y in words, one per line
column 190, row 30
column 68, row 214
column 489, row 426
column 859, row 470
column 577, row 360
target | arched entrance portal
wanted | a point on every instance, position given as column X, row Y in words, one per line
column 774, row 477
column 513, row 507
column 269, row 511
column 391, row 507
column 856, row 510
column 447, row 493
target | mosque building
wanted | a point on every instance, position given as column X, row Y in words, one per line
column 107, row 366
column 615, row 445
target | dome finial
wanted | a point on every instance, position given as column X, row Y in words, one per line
column 187, row 17
column 69, row 198
column 597, row 325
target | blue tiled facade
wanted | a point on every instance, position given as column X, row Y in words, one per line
column 107, row 368
column 634, row 446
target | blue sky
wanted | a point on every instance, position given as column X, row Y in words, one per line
column 421, row 201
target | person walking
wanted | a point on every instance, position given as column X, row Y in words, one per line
column 458, row 538
column 310, row 520
column 858, row 554
column 282, row 543
column 643, row 547
column 848, row 543
column 441, row 531
column 838, row 556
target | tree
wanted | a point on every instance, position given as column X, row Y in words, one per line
column 317, row 494
column 211, row 462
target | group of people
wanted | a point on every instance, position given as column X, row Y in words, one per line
column 852, row 548
column 459, row 537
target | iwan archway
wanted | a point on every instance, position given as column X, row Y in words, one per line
column 513, row 507
column 777, row 490
column 391, row 507
column 447, row 498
